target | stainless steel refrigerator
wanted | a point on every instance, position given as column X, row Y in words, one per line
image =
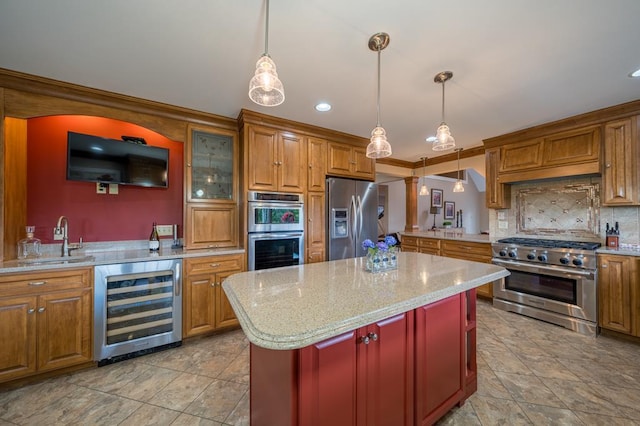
column 352, row 217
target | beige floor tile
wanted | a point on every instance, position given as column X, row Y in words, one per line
column 546, row 366
column 148, row 383
column 529, row 389
column 17, row 405
column 218, row 400
column 544, row 415
column 240, row 414
column 585, row 397
column 238, row 370
column 460, row 416
column 496, row 411
column 151, row 415
column 189, row 420
column 600, row 420
column 181, row 392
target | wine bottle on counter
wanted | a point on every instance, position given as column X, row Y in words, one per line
column 154, row 240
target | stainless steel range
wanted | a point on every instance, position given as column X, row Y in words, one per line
column 554, row 281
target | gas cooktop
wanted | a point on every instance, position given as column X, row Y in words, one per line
column 539, row 242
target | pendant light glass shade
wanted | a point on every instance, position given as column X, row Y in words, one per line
column 265, row 88
column 444, row 140
column 379, row 147
column 458, row 187
column 423, row 189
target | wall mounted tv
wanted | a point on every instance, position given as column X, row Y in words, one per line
column 96, row 159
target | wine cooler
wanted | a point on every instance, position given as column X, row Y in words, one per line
column 138, row 308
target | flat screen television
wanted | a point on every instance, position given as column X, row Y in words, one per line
column 96, row 159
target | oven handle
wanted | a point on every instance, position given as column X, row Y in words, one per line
column 526, row 267
column 275, row 235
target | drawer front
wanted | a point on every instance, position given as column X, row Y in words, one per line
column 409, row 241
column 480, row 252
column 38, row 282
column 214, row 264
column 429, row 243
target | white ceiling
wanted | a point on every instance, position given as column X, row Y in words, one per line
column 516, row 63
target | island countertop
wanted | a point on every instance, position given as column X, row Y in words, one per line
column 296, row 306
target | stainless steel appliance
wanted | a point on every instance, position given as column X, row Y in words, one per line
column 554, row 281
column 352, row 208
column 138, row 306
column 276, row 230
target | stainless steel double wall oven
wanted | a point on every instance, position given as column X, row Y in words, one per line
column 276, row 230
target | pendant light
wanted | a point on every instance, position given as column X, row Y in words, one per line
column 265, row 88
column 423, row 189
column 458, row 186
column 444, row 140
column 379, row 147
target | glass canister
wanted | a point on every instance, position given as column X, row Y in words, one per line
column 30, row 247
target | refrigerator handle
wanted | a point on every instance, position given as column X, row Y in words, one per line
column 354, row 218
column 360, row 217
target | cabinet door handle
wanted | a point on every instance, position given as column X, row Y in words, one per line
column 188, row 164
column 214, row 265
column 41, row 309
column 30, row 311
column 373, row 336
column 34, row 283
column 604, row 265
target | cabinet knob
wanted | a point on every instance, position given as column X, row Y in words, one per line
column 213, row 284
column 364, row 339
column 30, row 311
column 310, row 166
column 608, row 165
column 188, row 164
column 41, row 309
column 604, row 265
column 373, row 336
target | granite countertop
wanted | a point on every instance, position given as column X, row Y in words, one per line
column 296, row 306
column 450, row 234
column 623, row 250
column 84, row 258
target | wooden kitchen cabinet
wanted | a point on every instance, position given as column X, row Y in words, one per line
column 498, row 194
column 620, row 165
column 315, row 239
column 211, row 188
column 277, row 160
column 317, row 160
column 619, row 294
column 205, row 305
column 46, row 321
column 349, row 161
column 211, row 225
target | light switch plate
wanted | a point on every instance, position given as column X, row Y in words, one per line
column 503, row 224
column 113, row 188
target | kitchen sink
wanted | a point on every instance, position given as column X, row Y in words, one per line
column 54, row 260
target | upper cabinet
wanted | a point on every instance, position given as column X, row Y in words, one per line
column 620, row 163
column 498, row 194
column 211, row 188
column 276, row 160
column 350, row 161
column 317, row 156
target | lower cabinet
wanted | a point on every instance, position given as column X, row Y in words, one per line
column 407, row 369
column 205, row 305
column 619, row 294
column 46, row 322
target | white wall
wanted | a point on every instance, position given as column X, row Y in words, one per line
column 397, row 206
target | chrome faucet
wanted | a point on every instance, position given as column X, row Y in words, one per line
column 65, row 234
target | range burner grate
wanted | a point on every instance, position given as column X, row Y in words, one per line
column 539, row 242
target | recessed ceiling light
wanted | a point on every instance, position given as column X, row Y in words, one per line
column 636, row 73
column 323, row 107
column 431, row 139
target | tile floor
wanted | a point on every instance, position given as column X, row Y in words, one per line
column 530, row 373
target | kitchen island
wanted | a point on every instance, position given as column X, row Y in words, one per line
column 334, row 344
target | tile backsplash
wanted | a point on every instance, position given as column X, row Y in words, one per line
column 567, row 209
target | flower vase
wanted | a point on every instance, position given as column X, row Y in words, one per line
column 374, row 262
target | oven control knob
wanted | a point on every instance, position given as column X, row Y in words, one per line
column 502, row 252
column 513, row 253
column 564, row 260
column 578, row 261
column 542, row 257
column 531, row 255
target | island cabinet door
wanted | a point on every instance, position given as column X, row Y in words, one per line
column 440, row 360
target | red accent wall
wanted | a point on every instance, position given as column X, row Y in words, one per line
column 95, row 217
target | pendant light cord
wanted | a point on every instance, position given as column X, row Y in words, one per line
column 266, row 32
column 442, row 100
column 378, row 120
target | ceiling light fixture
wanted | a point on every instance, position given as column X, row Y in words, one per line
column 635, row 74
column 265, row 88
column 323, row 107
column 458, row 187
column 443, row 135
column 379, row 147
column 423, row 189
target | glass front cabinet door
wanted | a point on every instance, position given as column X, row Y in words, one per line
column 211, row 164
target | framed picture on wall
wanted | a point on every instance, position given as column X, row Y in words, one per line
column 436, row 198
column 449, row 209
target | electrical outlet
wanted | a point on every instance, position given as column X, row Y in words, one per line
column 101, row 188
column 58, row 234
column 503, row 224
column 165, row 230
column 113, row 188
